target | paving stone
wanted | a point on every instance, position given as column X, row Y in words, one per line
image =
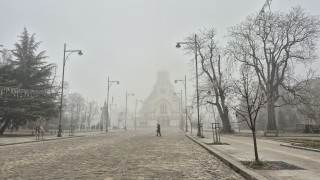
column 123, row 155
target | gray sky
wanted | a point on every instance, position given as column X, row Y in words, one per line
column 128, row 40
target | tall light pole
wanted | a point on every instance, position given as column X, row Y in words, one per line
column 180, row 104
column 185, row 98
column 125, row 120
column 62, row 83
column 196, row 58
column 109, row 85
column 111, row 104
column 135, row 114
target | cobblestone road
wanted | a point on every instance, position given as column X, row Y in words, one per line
column 121, row 155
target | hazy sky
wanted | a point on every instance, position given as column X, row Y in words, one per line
column 128, row 40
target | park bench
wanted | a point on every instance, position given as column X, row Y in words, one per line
column 271, row 132
column 314, row 129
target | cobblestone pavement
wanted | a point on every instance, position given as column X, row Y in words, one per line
column 122, row 155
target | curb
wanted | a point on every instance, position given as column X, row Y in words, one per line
column 36, row 141
column 60, row 138
column 302, row 148
column 231, row 162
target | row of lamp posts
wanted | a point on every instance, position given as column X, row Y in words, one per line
column 65, row 57
column 196, row 59
column 128, row 94
column 62, row 88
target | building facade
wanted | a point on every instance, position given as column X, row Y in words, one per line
column 161, row 106
column 5, row 57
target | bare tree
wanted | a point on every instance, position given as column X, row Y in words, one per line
column 92, row 112
column 215, row 73
column 75, row 104
column 120, row 118
column 272, row 46
column 309, row 108
column 250, row 93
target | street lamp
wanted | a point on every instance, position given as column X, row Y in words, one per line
column 180, row 104
column 135, row 114
column 62, row 83
column 195, row 53
column 111, row 104
column 125, row 120
column 184, row 82
column 109, row 85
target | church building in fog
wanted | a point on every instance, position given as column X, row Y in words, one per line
column 161, row 106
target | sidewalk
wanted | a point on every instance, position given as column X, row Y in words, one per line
column 240, row 148
column 4, row 141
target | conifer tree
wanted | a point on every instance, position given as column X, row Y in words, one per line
column 32, row 73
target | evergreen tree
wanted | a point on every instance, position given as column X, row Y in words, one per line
column 29, row 71
column 7, row 104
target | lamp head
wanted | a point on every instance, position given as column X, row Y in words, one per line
column 80, row 53
column 118, row 82
column 175, row 81
column 178, row 45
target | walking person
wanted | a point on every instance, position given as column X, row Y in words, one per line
column 158, row 130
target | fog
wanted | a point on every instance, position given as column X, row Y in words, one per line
column 129, row 41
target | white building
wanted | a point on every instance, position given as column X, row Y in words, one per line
column 161, row 106
column 5, row 57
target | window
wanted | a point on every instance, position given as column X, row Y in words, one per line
column 163, row 108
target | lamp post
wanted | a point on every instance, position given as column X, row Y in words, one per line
column 125, row 120
column 111, row 104
column 196, row 55
column 109, row 85
column 180, row 104
column 135, row 114
column 62, row 83
column 185, row 98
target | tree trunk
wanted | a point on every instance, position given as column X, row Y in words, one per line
column 255, row 145
column 272, row 123
column 4, row 126
column 226, row 122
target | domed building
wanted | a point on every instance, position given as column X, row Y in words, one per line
column 161, row 106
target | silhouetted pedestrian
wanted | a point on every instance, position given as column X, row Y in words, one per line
column 158, row 130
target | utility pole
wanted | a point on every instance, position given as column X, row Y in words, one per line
column 197, row 84
column 125, row 120
column 109, row 84
column 111, row 109
column 135, row 114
